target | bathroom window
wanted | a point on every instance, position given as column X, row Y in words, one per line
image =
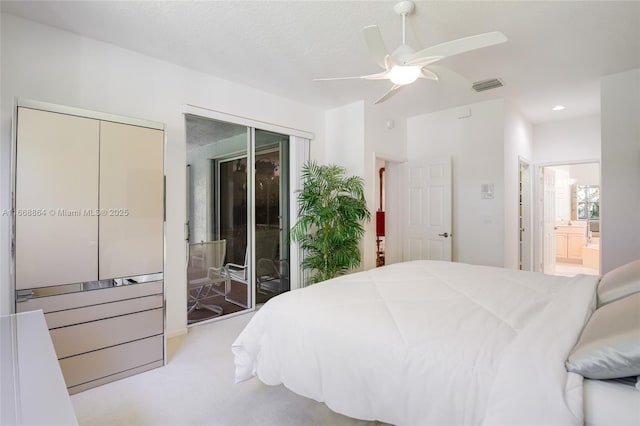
column 587, row 202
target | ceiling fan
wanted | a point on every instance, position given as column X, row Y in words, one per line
column 404, row 65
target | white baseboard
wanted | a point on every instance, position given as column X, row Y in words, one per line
column 176, row 333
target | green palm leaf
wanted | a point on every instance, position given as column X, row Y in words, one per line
column 332, row 208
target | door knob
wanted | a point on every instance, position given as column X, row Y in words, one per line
column 446, row 234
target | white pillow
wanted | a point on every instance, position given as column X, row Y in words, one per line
column 609, row 346
column 618, row 283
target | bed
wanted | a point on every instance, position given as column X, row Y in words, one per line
column 428, row 342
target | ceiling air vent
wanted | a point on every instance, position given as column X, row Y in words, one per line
column 481, row 86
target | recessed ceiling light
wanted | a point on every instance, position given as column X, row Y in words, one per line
column 558, row 108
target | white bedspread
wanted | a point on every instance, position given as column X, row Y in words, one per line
column 427, row 342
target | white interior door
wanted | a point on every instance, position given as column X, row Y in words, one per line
column 394, row 212
column 548, row 220
column 525, row 231
column 427, row 206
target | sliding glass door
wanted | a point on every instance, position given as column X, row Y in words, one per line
column 217, row 232
column 238, row 198
column 232, row 215
column 271, row 214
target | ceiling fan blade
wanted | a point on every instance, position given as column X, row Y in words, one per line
column 390, row 92
column 428, row 74
column 377, row 49
column 378, row 76
column 335, row 78
column 384, row 75
column 389, row 62
column 455, row 47
column 449, row 75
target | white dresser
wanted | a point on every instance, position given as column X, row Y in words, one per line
column 33, row 390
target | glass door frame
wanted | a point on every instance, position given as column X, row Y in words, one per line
column 298, row 154
column 216, row 184
column 280, row 262
column 251, row 257
column 250, row 182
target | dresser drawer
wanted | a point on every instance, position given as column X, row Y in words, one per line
column 91, row 297
column 99, row 364
column 90, row 336
column 114, row 377
column 105, row 310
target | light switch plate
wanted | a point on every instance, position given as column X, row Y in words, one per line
column 486, row 191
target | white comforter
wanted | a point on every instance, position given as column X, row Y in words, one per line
column 427, row 342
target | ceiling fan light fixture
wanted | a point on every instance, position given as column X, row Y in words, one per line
column 404, row 65
column 404, row 74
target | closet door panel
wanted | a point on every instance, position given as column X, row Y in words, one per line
column 56, row 188
column 131, row 200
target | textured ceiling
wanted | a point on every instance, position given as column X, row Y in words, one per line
column 203, row 131
column 556, row 53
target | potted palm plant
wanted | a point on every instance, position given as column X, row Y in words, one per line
column 332, row 209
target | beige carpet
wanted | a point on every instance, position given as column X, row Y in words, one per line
column 196, row 388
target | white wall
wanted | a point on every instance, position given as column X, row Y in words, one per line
column 477, row 150
column 518, row 144
column 355, row 135
column 585, row 174
column 46, row 64
column 565, row 141
column 620, row 109
column 344, row 133
column 344, row 146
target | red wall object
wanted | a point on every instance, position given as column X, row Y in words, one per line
column 380, row 223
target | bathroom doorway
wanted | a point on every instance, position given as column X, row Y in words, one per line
column 570, row 214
